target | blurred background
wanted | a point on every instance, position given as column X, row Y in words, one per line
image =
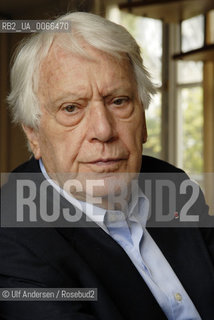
column 177, row 42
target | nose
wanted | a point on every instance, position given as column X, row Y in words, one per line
column 101, row 123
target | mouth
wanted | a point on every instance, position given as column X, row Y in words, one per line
column 105, row 162
column 105, row 165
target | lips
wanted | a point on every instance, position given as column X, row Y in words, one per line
column 105, row 165
column 107, row 161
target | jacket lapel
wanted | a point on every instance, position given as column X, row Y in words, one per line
column 115, row 272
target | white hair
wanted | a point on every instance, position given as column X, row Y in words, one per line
column 97, row 32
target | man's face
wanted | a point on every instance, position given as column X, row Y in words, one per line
column 92, row 120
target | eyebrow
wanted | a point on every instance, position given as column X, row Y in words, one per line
column 67, row 95
column 117, row 90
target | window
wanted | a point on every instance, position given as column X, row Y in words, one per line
column 190, row 99
column 192, row 33
column 184, row 104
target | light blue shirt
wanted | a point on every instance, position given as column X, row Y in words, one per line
column 129, row 231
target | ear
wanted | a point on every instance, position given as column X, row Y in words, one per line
column 144, row 131
column 33, row 139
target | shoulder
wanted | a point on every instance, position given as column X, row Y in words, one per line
column 150, row 164
column 32, row 165
column 29, row 170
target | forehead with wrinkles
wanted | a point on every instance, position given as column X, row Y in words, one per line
column 62, row 68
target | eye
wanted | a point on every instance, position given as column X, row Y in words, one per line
column 120, row 101
column 71, row 108
column 70, row 114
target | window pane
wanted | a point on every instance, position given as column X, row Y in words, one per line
column 192, row 33
column 189, row 72
column 153, row 116
column 190, row 102
column 148, row 34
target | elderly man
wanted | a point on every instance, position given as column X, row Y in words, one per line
column 80, row 98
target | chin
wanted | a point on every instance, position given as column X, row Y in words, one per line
column 109, row 187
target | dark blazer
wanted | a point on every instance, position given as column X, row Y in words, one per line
column 89, row 258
